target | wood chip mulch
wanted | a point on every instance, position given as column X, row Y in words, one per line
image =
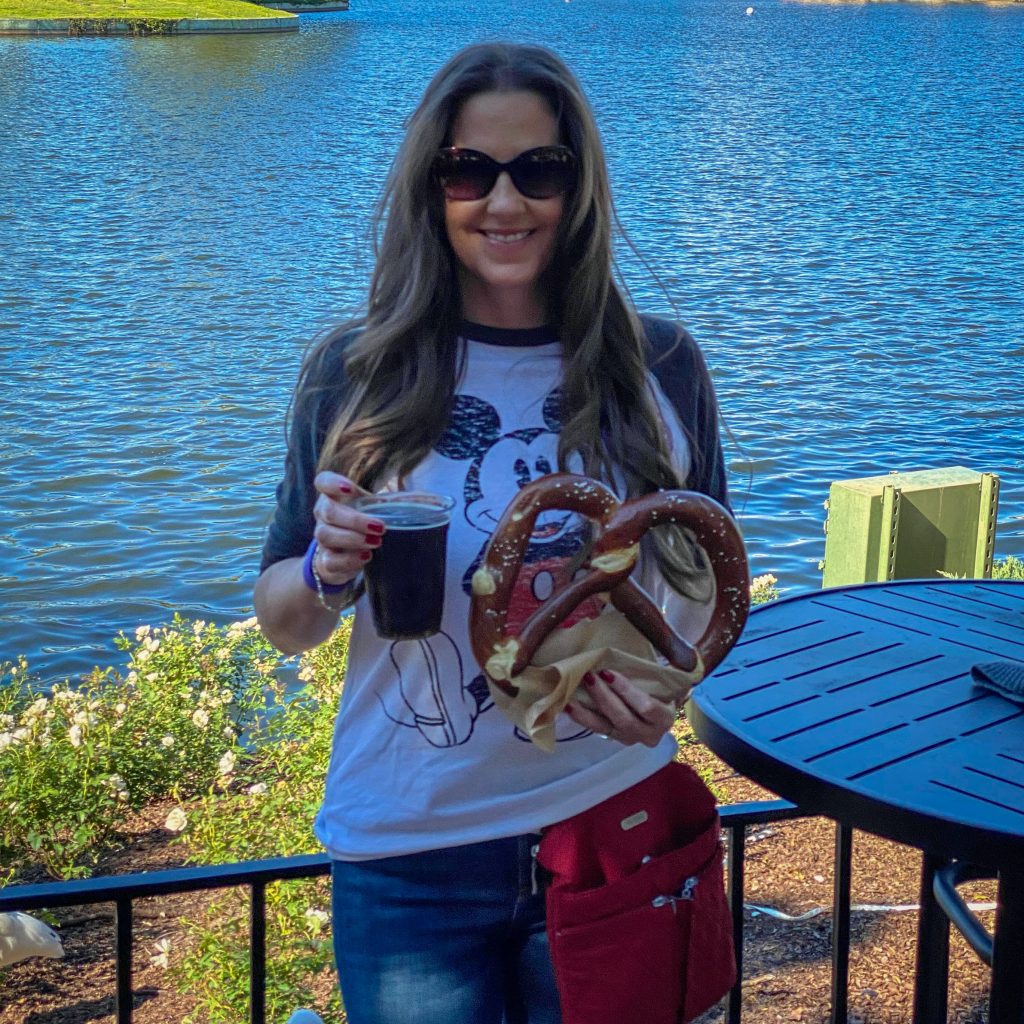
column 787, row 967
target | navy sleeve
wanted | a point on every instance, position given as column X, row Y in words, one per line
column 679, row 366
column 315, row 406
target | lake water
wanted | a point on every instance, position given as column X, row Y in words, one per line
column 829, row 194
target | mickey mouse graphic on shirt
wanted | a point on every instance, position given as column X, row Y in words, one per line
column 433, row 696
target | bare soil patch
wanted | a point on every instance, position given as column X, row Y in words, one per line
column 787, row 973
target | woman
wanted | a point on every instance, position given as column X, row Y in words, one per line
column 496, row 348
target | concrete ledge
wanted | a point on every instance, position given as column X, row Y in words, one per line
column 104, row 27
column 312, row 8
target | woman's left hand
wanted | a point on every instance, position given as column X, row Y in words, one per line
column 622, row 711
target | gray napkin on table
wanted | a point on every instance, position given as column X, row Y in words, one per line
column 1003, row 677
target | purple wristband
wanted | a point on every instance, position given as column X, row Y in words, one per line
column 310, row 579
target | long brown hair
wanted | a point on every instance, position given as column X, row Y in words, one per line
column 402, row 366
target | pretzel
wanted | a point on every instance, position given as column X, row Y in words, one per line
column 619, row 528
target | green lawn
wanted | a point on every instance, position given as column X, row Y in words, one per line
column 127, row 10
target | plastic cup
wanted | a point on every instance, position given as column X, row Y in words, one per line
column 405, row 577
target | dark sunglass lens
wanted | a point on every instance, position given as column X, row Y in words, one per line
column 465, row 177
column 543, row 173
column 542, row 179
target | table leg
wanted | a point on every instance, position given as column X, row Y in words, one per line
column 931, row 985
column 1007, row 1005
column 841, row 924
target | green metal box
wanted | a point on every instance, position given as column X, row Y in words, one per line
column 910, row 526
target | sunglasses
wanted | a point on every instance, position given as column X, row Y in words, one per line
column 541, row 173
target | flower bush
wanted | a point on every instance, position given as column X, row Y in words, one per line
column 268, row 811
column 75, row 761
column 763, row 589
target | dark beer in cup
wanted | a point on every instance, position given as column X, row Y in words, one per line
column 405, row 577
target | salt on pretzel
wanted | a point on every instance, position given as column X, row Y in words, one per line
column 619, row 528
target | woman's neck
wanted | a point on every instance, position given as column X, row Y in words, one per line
column 510, row 308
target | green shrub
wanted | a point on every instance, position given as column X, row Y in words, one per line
column 73, row 761
column 1008, row 568
column 763, row 589
column 269, row 812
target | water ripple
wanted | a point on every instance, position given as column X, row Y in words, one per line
column 822, row 202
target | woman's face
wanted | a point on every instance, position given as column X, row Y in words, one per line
column 505, row 240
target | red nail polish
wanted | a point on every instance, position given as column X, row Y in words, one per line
column 589, row 679
column 374, row 527
column 365, row 556
column 344, row 488
column 606, row 675
column 374, row 542
column 570, row 710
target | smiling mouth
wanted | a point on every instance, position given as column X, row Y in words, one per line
column 506, row 237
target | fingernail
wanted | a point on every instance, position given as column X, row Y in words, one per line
column 374, row 527
column 344, row 488
column 365, row 556
column 589, row 679
column 607, row 676
column 570, row 710
column 374, row 542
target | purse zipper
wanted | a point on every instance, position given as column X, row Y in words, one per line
column 685, row 893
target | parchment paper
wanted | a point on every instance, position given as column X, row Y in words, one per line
column 610, row 641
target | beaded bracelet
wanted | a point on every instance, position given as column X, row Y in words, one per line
column 312, row 579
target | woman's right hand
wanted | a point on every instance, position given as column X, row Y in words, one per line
column 345, row 538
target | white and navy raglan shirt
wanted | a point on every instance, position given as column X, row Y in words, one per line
column 421, row 758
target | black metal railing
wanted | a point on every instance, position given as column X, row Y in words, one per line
column 124, row 890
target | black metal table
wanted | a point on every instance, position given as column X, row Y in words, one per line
column 857, row 704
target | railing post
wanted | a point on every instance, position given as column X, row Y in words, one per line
column 735, row 865
column 841, row 923
column 258, row 954
column 123, row 955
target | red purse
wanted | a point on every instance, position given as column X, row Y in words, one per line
column 637, row 916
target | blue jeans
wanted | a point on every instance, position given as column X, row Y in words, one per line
column 453, row 936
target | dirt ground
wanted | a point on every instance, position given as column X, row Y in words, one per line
column 787, row 964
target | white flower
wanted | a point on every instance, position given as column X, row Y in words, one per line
column 167, row 741
column 767, row 580
column 176, row 820
column 222, row 654
column 257, row 789
column 6, row 721
column 121, row 708
column 226, row 765
column 142, row 657
column 21, row 734
column 132, row 678
column 229, row 733
column 200, row 718
column 317, row 919
column 163, row 950
column 118, row 786
column 75, row 735
column 198, row 626
column 141, row 632
column 36, row 709
column 152, row 644
column 6, row 740
column 151, row 677
column 85, row 719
